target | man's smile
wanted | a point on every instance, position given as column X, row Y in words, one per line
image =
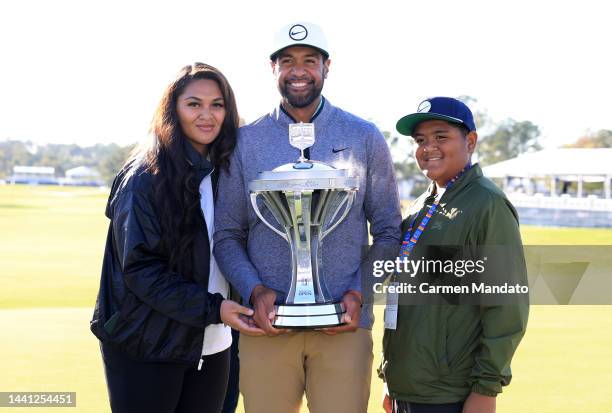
column 299, row 85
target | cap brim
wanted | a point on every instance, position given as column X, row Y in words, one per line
column 323, row 52
column 406, row 125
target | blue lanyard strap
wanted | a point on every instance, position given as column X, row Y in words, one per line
column 411, row 240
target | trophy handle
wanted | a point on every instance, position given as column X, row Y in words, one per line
column 347, row 203
column 259, row 214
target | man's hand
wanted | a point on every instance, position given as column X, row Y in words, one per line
column 263, row 300
column 352, row 304
column 479, row 403
column 235, row 316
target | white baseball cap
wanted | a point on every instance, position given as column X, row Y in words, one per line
column 300, row 34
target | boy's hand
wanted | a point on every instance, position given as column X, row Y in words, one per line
column 387, row 406
column 478, row 403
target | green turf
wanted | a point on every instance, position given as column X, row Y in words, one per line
column 51, row 245
column 51, row 248
column 533, row 235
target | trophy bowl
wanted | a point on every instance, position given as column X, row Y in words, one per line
column 308, row 200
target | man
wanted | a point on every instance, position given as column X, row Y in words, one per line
column 333, row 367
column 453, row 358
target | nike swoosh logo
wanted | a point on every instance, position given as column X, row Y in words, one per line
column 294, row 33
column 334, row 150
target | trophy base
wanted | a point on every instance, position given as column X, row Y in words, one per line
column 306, row 316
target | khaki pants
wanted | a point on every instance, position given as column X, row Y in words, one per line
column 334, row 371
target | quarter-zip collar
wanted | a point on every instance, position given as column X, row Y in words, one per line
column 320, row 117
column 314, row 115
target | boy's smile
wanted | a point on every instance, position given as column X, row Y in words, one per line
column 442, row 149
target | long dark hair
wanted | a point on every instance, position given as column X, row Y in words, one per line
column 176, row 192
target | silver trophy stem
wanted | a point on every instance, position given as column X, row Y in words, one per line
column 302, row 289
column 316, row 217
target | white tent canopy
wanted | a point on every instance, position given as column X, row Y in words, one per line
column 563, row 164
column 555, row 162
column 81, row 172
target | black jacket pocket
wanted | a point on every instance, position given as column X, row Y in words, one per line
column 110, row 324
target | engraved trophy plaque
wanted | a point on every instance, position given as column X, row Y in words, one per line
column 308, row 200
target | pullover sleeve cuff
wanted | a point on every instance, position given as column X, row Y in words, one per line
column 247, row 290
column 485, row 391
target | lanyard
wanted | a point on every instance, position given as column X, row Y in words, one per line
column 392, row 307
column 410, row 241
column 391, row 310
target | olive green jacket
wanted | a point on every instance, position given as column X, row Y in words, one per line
column 441, row 353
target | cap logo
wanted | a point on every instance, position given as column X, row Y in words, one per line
column 424, row 107
column 298, row 32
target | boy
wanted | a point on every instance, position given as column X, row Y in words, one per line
column 452, row 358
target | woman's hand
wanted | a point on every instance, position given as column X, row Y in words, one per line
column 238, row 318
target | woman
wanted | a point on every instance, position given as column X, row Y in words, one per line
column 161, row 315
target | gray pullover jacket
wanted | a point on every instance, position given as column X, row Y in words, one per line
column 249, row 253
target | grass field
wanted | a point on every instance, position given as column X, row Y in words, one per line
column 50, row 253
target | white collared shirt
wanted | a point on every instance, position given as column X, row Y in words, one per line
column 217, row 337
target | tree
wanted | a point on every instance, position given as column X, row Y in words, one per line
column 481, row 116
column 108, row 159
column 13, row 153
column 110, row 164
column 406, row 168
column 599, row 139
column 401, row 148
column 509, row 139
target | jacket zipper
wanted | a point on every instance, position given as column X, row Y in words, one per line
column 201, row 361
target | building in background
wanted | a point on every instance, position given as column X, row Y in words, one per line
column 33, row 175
column 45, row 175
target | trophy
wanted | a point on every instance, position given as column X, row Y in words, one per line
column 308, row 200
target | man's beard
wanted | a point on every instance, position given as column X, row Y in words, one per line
column 300, row 101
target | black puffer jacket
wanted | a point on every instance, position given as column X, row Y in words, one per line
column 143, row 308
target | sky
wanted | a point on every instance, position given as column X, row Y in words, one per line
column 90, row 72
